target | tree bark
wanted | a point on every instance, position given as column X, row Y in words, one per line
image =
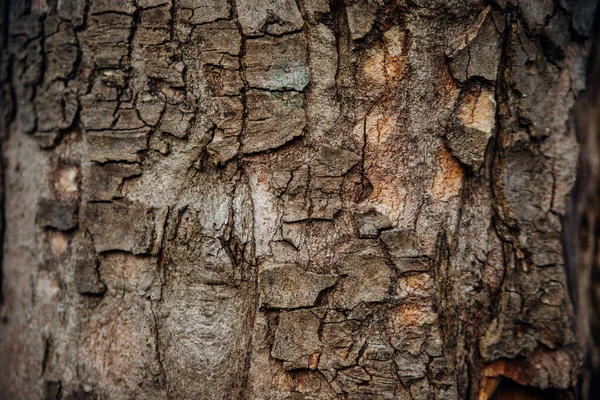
column 252, row 199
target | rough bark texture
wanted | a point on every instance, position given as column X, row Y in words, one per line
column 271, row 199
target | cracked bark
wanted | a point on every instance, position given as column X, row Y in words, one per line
column 254, row 199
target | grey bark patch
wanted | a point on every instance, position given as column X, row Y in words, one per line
column 273, row 119
column 107, row 6
column 62, row 53
column 361, row 16
column 55, row 108
column 480, row 55
column 150, row 106
column 86, row 278
column 204, row 11
column 227, row 114
column 296, row 339
column 366, row 277
column 97, row 115
column 108, row 35
column 222, row 149
column 57, row 214
column 117, row 145
column 289, row 286
column 277, row 63
column 344, row 160
column 275, row 17
column 535, row 13
column 402, row 244
column 156, row 17
column 126, row 227
column 371, row 222
column 72, row 10
column 128, row 119
column 103, row 182
column 175, row 122
column 221, row 37
column 410, row 366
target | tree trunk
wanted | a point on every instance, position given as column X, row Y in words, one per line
column 270, row 199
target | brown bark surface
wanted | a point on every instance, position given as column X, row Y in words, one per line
column 280, row 199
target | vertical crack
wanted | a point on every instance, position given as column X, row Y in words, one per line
column 244, row 90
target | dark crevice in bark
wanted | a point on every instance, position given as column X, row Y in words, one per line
column 160, row 269
column 510, row 390
column 252, row 282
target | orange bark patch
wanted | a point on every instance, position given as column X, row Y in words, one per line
column 66, row 181
column 417, row 285
column 488, row 387
column 541, row 365
column 385, row 193
column 495, row 369
column 395, row 60
column 262, row 177
column 309, row 383
column 385, row 63
column 46, row 287
column 395, row 41
column 58, row 243
column 381, row 166
column 414, row 314
column 395, row 68
column 379, row 127
column 448, row 177
column 508, row 368
column 313, row 361
column 478, row 110
column 374, row 67
column 419, row 281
